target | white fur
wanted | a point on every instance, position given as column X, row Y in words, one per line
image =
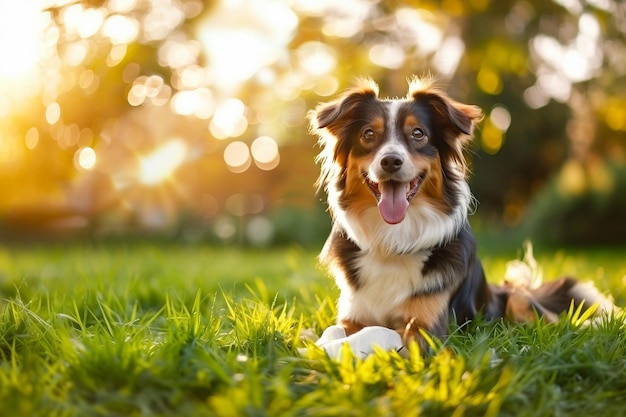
column 422, row 228
column 393, row 255
column 385, row 283
column 588, row 292
column 375, row 171
column 407, row 173
column 377, row 174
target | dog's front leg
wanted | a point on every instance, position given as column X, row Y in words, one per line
column 425, row 312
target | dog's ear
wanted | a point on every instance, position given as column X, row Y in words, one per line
column 328, row 114
column 452, row 121
column 462, row 116
column 332, row 122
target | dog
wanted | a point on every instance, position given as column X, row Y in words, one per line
column 401, row 249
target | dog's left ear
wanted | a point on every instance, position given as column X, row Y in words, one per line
column 454, row 122
column 461, row 118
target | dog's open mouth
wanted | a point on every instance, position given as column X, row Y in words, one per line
column 394, row 196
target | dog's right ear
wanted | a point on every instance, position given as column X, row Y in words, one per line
column 328, row 114
column 331, row 123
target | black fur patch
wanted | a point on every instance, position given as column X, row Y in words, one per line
column 343, row 252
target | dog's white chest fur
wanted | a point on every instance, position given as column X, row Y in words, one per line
column 384, row 283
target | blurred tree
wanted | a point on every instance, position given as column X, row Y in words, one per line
column 136, row 110
column 554, row 67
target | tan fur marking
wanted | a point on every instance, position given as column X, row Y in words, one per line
column 520, row 308
column 433, row 185
column 426, row 312
column 410, row 122
column 357, row 195
column 351, row 326
column 378, row 124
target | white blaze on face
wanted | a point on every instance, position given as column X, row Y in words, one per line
column 393, row 187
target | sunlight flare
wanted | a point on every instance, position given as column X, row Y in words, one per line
column 241, row 36
column 161, row 164
column 21, row 37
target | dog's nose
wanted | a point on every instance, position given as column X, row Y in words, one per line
column 391, row 162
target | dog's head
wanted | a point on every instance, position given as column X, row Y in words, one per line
column 393, row 153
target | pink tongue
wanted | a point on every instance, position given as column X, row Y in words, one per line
column 393, row 203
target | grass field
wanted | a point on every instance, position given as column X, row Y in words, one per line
column 148, row 330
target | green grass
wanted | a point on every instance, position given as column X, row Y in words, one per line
column 142, row 330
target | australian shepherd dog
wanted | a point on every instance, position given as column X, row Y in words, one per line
column 401, row 249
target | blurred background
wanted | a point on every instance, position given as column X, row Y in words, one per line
column 186, row 119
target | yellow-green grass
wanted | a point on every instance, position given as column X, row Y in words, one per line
column 166, row 330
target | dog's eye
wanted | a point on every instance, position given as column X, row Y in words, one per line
column 368, row 135
column 418, row 134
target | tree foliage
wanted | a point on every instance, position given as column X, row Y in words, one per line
column 119, row 84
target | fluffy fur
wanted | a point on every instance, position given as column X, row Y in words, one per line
column 401, row 249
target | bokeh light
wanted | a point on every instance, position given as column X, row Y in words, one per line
column 150, row 89
column 32, row 138
column 122, row 6
column 259, row 231
column 89, row 21
column 53, row 113
column 316, row 58
column 265, row 153
column 229, row 119
column 500, row 117
column 120, row 29
column 489, row 81
column 150, row 103
column 494, row 129
column 387, row 55
column 225, row 228
column 85, row 159
column 237, row 157
column 326, row 86
column 198, row 102
column 491, row 138
column 241, row 37
column 448, row 56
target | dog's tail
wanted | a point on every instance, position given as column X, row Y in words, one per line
column 523, row 296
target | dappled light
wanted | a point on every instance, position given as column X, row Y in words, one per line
column 190, row 98
column 32, row 138
column 85, row 159
column 21, row 45
column 229, row 119
column 162, row 162
column 241, row 37
column 152, row 88
column 237, row 157
column 316, row 58
column 500, row 117
column 265, row 152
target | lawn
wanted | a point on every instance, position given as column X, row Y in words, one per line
column 156, row 330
